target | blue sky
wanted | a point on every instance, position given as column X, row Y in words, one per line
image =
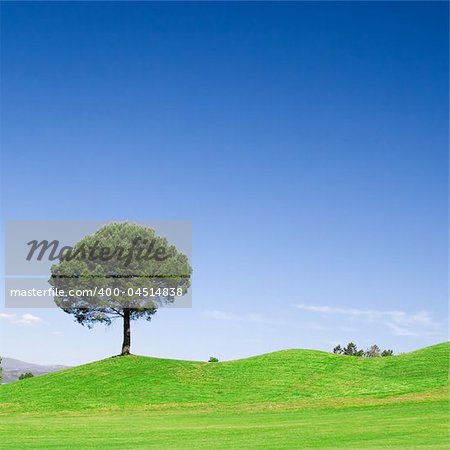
column 306, row 141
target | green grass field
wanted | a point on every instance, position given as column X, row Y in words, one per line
column 290, row 399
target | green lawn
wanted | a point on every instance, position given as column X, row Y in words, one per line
column 288, row 399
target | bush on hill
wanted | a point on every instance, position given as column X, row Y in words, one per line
column 26, row 375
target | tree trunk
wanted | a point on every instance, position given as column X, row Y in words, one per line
column 126, row 332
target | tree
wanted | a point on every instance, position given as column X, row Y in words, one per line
column 352, row 350
column 25, row 375
column 387, row 352
column 213, row 359
column 122, row 271
column 338, row 350
column 373, row 352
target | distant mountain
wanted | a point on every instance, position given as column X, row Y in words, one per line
column 13, row 368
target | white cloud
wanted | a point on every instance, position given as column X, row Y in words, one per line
column 28, row 319
column 400, row 331
column 352, row 312
column 5, row 316
column 24, row 319
column 400, row 323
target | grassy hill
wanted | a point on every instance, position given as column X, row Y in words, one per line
column 318, row 398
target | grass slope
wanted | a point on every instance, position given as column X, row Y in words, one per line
column 287, row 399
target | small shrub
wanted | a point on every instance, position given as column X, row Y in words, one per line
column 213, row 359
column 26, row 375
